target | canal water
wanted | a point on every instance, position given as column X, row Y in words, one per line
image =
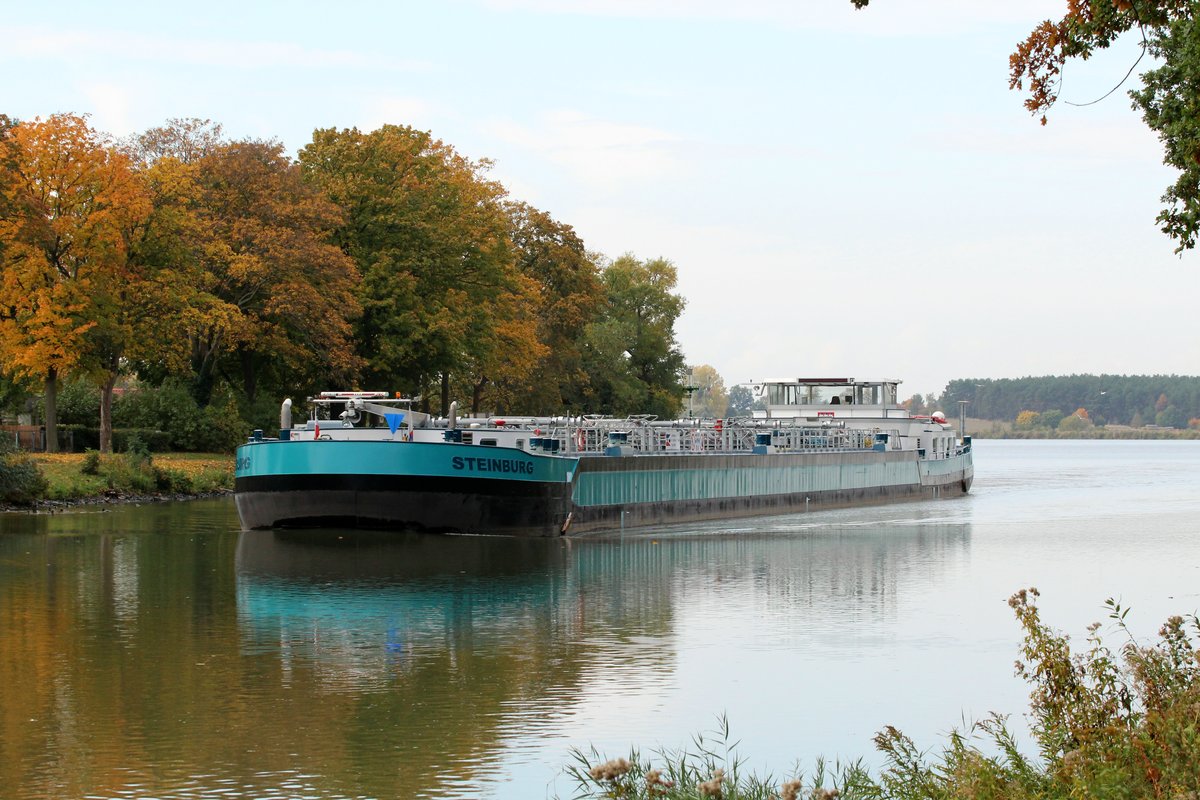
column 158, row 652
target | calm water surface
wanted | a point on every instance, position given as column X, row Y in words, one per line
column 157, row 652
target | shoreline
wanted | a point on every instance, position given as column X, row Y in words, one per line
column 110, row 498
column 67, row 481
column 1121, row 436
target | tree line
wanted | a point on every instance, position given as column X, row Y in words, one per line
column 1166, row 400
column 381, row 259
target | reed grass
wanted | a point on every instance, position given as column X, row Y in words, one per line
column 1106, row 723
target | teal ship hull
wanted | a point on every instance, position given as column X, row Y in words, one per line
column 424, row 486
column 449, row 487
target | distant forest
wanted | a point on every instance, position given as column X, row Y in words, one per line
column 1167, row 400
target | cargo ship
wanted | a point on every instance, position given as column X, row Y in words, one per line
column 369, row 460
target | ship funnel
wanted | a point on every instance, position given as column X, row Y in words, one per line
column 285, row 419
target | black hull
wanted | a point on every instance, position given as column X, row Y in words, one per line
column 434, row 505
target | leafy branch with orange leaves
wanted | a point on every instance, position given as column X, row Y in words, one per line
column 1167, row 98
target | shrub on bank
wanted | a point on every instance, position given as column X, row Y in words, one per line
column 1120, row 724
column 166, row 417
column 80, row 437
column 21, row 482
column 215, row 428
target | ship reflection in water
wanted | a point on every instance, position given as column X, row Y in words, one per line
column 460, row 663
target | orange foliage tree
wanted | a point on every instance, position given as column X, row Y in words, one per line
column 261, row 290
column 568, row 298
column 72, row 204
column 1028, row 419
column 1166, row 94
column 279, row 295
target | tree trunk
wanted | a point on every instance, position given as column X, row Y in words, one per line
column 445, row 393
column 477, row 395
column 106, row 426
column 51, row 403
column 202, row 382
column 249, row 374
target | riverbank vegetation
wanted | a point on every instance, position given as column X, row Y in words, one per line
column 1104, row 723
column 21, row 479
column 26, row 480
column 241, row 275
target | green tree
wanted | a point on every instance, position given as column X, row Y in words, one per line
column 632, row 355
column 1074, row 422
column 1108, row 397
column 741, row 401
column 431, row 239
column 1051, row 418
column 1170, row 417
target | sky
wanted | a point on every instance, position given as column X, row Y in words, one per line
column 844, row 193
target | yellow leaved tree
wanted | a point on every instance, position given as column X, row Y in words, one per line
column 71, row 204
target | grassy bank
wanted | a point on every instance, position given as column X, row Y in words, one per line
column 1105, row 724
column 82, row 476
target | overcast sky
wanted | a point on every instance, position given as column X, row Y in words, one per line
column 844, row 193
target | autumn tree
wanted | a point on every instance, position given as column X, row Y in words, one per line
column 631, row 353
column 568, row 297
column 10, row 388
column 430, row 237
column 171, row 239
column 916, row 405
column 501, row 350
column 262, row 294
column 709, row 399
column 8, row 170
column 1028, row 419
column 1167, row 30
column 183, row 140
column 72, row 205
